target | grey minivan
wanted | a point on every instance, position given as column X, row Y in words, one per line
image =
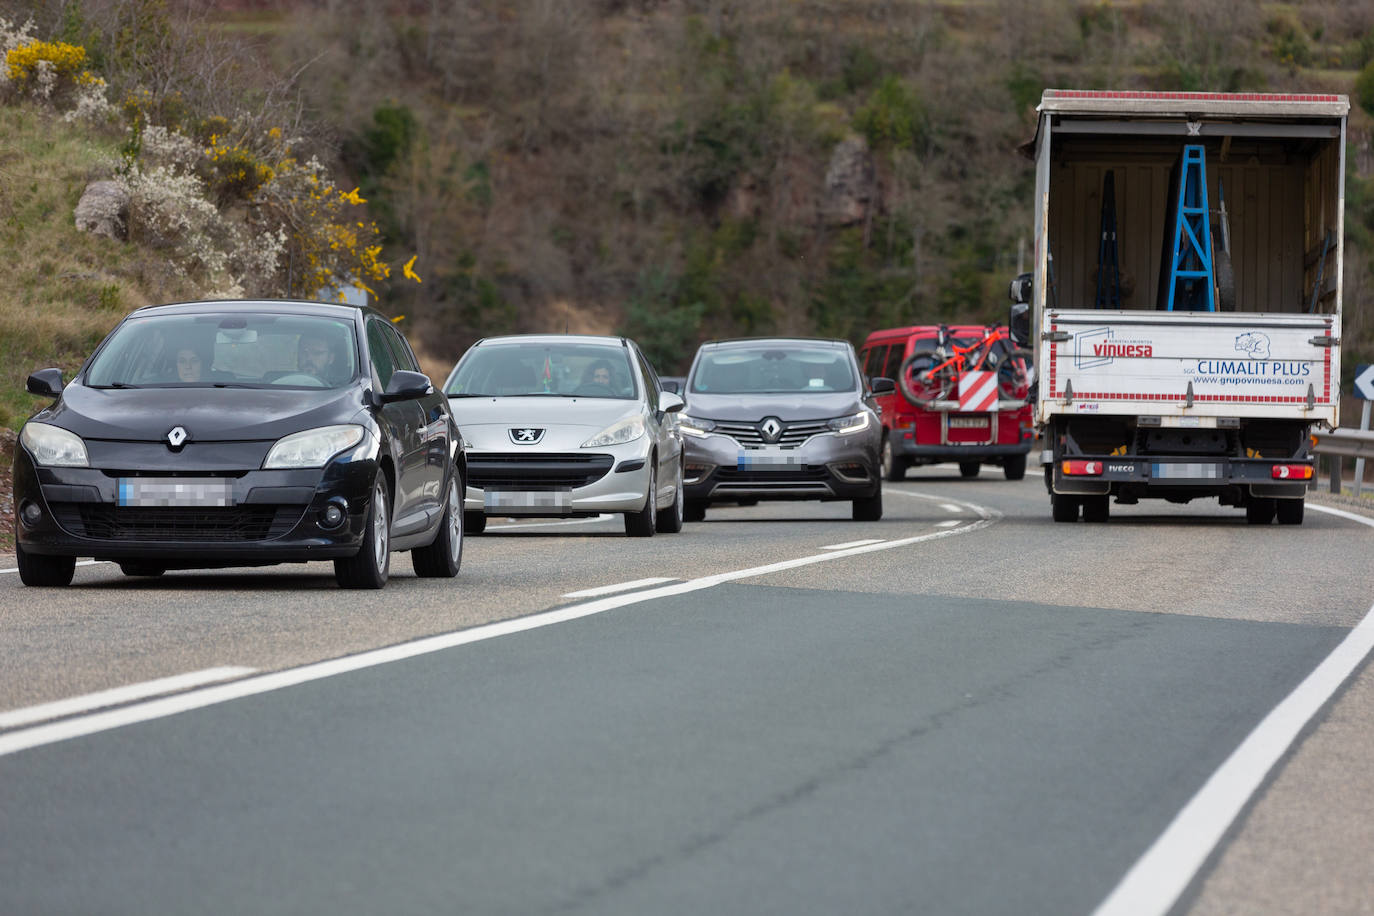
column 781, row 418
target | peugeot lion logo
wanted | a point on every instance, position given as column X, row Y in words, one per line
column 177, row 436
column 771, row 429
column 526, row 435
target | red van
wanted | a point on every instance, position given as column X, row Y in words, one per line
column 951, row 429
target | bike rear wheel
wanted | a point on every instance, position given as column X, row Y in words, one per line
column 926, row 377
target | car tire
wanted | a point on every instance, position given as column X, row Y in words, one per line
column 969, row 468
column 1289, row 511
column 694, row 510
column 474, row 522
column 369, row 567
column 1014, row 467
column 894, row 467
column 669, row 520
column 135, row 568
column 1064, row 508
column 1260, row 511
column 641, row 524
column 40, row 570
column 1097, row 508
column 870, row 508
column 442, row 557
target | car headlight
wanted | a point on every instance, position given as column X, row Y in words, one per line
column 626, row 430
column 847, row 425
column 695, row 426
column 313, row 447
column 54, row 447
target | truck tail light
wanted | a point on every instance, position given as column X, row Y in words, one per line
column 1082, row 468
column 1291, row 472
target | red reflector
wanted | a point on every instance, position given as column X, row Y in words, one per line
column 1090, row 468
column 1291, row 471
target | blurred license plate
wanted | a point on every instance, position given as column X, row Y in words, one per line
column 147, row 492
column 774, row 460
column 528, row 499
column 968, row 422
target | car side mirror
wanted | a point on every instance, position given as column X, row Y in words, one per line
column 669, row 402
column 406, row 386
column 672, row 387
column 1018, row 324
column 46, row 382
column 881, row 384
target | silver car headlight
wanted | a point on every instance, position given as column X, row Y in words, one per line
column 54, row 447
column 313, row 447
column 848, row 425
column 626, row 430
column 696, row 427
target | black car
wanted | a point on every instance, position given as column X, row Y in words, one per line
column 246, row 433
column 781, row 418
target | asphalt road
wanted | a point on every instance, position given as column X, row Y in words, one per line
column 981, row 712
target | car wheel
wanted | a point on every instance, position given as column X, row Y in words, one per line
column 368, row 568
column 1289, row 511
column 869, row 509
column 135, row 568
column 694, row 510
column 641, row 524
column 37, row 569
column 442, row 558
column 1096, row 508
column 894, row 468
column 1014, row 467
column 1260, row 511
column 474, row 522
column 670, row 519
column 1064, row 508
column 969, row 468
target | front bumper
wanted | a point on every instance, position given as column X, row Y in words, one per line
column 824, row 467
column 563, row 484
column 274, row 516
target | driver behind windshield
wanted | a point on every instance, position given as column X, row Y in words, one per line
column 314, row 356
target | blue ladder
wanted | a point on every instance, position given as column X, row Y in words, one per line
column 1190, row 263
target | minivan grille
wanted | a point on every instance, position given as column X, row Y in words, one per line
column 793, row 434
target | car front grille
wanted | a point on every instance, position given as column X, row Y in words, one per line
column 103, row 521
column 793, row 434
column 519, row 471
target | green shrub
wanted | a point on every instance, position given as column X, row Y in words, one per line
column 893, row 116
column 1364, row 88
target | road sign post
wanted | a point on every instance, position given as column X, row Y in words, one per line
column 1364, row 389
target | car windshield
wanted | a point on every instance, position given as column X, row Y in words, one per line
column 530, row 368
column 772, row 370
column 227, row 349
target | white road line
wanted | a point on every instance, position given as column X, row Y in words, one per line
column 947, row 523
column 1155, row 882
column 950, row 507
column 116, row 695
column 50, row 733
column 1362, row 519
column 612, row 589
column 848, row 544
column 79, row 563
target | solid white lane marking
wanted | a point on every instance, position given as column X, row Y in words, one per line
column 570, row 521
column 950, row 507
column 612, row 589
column 78, row 563
column 40, row 735
column 116, row 695
column 947, row 523
column 1362, row 519
column 848, row 544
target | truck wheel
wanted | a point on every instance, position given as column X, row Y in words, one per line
column 1260, row 511
column 1096, row 508
column 1064, row 508
column 1014, row 467
column 969, row 468
column 894, row 468
column 1290, row 511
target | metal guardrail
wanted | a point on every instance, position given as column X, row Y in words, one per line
column 1344, row 443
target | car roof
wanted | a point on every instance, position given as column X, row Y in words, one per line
column 776, row 342
column 341, row 310
column 554, row 338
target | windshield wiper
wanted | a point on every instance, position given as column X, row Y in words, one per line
column 115, row 385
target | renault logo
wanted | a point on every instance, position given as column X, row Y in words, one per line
column 771, row 429
column 526, row 435
column 177, row 436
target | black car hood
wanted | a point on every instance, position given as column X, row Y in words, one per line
column 786, row 407
column 207, row 414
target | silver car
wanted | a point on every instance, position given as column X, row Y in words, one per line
column 565, row 426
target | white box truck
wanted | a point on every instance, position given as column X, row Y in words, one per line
column 1185, row 304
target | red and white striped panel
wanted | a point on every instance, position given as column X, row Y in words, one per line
column 978, row 391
